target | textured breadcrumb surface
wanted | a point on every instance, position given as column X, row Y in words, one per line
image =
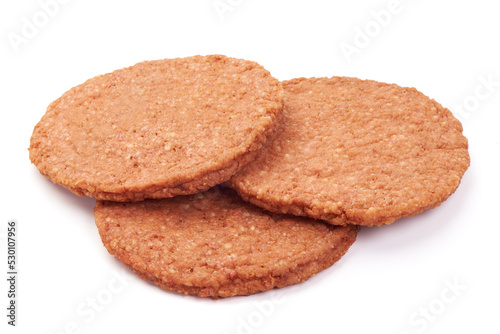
column 215, row 244
column 356, row 151
column 157, row 129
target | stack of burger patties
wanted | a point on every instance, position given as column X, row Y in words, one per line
column 213, row 178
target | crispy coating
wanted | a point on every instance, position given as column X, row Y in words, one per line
column 356, row 151
column 157, row 129
column 214, row 244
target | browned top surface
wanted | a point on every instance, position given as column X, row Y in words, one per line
column 214, row 239
column 357, row 151
column 161, row 122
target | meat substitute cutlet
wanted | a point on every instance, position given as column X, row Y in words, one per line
column 157, row 129
column 356, row 151
column 215, row 244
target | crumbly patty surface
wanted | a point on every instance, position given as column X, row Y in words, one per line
column 214, row 244
column 356, row 151
column 157, row 129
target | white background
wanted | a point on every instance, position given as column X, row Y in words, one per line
column 394, row 279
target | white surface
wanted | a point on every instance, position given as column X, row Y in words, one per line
column 389, row 276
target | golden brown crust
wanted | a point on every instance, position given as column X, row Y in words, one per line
column 214, row 244
column 157, row 129
column 356, row 151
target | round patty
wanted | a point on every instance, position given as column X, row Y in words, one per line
column 214, row 244
column 356, row 151
column 157, row 129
